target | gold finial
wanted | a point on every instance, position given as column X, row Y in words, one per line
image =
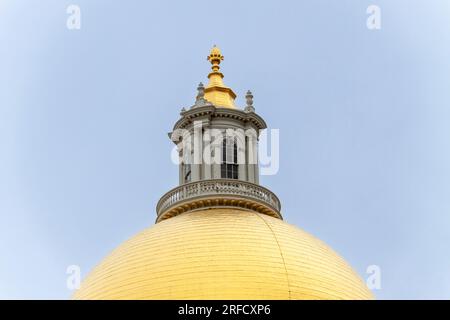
column 216, row 92
column 215, row 56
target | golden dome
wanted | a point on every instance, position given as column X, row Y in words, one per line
column 223, row 254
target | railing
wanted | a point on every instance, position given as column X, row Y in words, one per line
column 217, row 187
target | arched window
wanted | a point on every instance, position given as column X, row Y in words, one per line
column 229, row 166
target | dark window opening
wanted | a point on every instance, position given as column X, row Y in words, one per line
column 229, row 166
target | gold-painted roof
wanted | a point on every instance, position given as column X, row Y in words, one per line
column 223, row 254
column 216, row 92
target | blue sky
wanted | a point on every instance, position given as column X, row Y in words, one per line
column 363, row 117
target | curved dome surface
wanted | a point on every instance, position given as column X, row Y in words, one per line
column 223, row 253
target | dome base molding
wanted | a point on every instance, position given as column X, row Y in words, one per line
column 218, row 193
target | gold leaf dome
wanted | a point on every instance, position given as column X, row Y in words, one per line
column 223, row 253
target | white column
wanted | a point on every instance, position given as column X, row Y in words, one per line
column 241, row 155
column 216, row 135
column 250, row 157
column 255, row 166
column 198, row 151
column 207, row 154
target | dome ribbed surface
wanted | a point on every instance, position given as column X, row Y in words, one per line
column 223, row 254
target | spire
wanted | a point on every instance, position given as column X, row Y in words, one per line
column 215, row 56
column 216, row 92
column 249, row 100
column 201, row 92
column 200, row 101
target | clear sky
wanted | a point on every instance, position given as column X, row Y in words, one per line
column 364, row 119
